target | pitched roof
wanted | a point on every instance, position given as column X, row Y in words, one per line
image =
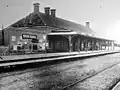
column 51, row 21
column 65, row 24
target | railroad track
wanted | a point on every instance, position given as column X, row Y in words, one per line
column 72, row 84
column 116, row 85
column 81, row 80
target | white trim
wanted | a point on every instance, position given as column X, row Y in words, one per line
column 63, row 33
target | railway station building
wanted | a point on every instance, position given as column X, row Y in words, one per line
column 46, row 31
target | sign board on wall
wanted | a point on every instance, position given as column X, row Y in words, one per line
column 44, row 36
column 29, row 36
column 15, row 47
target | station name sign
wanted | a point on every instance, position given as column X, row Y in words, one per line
column 29, row 36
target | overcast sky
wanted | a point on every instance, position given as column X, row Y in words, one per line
column 103, row 15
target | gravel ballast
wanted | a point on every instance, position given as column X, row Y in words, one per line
column 103, row 81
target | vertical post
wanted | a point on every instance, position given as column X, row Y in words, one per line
column 92, row 45
column 86, row 45
column 97, row 45
column 81, row 45
column 31, row 47
column 84, row 42
column 100, row 45
column 89, row 45
column 105, row 44
column 113, row 46
column 70, row 44
column 78, row 46
column 110, row 46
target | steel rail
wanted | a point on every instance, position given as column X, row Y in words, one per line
column 79, row 81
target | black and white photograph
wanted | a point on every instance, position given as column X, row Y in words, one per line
column 59, row 44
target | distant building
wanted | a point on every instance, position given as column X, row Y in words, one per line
column 45, row 30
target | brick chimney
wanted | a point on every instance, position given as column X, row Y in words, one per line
column 36, row 7
column 88, row 24
column 47, row 10
column 53, row 12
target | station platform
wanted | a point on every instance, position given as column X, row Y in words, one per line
column 48, row 55
column 32, row 58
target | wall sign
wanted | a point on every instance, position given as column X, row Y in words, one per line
column 29, row 36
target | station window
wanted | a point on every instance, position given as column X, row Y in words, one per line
column 20, row 37
column 13, row 38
